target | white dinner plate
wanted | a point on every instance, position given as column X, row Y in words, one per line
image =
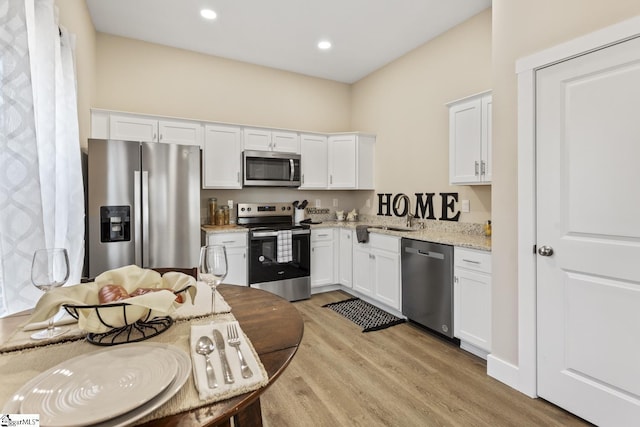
column 183, row 362
column 98, row 386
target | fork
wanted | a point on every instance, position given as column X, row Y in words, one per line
column 234, row 341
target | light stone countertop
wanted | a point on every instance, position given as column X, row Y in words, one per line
column 444, row 236
column 217, row 229
column 448, row 234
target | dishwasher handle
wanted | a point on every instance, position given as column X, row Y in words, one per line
column 430, row 254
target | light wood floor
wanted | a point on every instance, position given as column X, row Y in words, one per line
column 399, row 376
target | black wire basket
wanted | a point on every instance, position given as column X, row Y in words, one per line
column 133, row 330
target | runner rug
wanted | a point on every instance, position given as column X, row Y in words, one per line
column 367, row 316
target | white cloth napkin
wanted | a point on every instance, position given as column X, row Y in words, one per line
column 60, row 319
column 202, row 303
column 285, row 250
column 240, row 385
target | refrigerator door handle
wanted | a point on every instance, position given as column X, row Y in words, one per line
column 145, row 219
column 137, row 216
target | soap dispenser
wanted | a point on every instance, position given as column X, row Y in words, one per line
column 487, row 229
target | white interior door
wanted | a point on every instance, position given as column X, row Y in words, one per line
column 588, row 212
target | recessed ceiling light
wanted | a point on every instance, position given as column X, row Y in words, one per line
column 324, row 44
column 208, row 14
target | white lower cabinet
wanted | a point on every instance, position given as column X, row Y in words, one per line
column 345, row 259
column 376, row 269
column 322, row 257
column 236, row 247
column 472, row 300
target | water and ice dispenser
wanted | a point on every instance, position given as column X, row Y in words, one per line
column 115, row 223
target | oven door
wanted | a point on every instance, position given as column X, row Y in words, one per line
column 263, row 250
column 271, row 169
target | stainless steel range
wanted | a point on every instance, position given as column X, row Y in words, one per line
column 279, row 259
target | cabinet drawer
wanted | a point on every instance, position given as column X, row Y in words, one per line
column 472, row 259
column 229, row 240
column 384, row 242
column 322, row 234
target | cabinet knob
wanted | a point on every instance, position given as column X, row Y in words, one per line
column 476, row 168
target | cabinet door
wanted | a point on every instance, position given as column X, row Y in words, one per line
column 487, row 120
column 130, row 128
column 342, row 162
column 322, row 263
column 184, row 133
column 285, row 142
column 465, row 133
column 346, row 258
column 362, row 269
column 256, row 139
column 236, row 266
column 387, row 278
column 222, row 157
column 472, row 308
column 236, row 247
column 314, row 160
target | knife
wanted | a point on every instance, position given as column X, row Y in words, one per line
column 219, row 340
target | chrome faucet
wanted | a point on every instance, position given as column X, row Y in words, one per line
column 409, row 217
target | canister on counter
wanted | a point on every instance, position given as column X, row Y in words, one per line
column 213, row 207
column 220, row 216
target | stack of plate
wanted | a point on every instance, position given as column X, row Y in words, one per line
column 111, row 387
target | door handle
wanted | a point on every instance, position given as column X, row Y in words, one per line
column 545, row 250
column 476, row 168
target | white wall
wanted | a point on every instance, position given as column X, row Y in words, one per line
column 404, row 104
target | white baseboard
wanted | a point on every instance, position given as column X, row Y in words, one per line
column 503, row 371
column 477, row 351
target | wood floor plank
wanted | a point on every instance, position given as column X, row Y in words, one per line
column 400, row 376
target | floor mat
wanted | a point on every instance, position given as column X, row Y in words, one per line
column 365, row 315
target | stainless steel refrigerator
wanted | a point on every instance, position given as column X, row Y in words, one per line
column 143, row 205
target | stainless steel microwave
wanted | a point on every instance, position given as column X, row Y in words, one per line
column 271, row 169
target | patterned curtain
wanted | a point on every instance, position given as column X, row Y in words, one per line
column 41, row 191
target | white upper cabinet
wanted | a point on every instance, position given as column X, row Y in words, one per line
column 132, row 127
column 222, row 157
column 180, row 132
column 268, row 140
column 470, row 140
column 314, row 158
column 285, row 142
column 350, row 163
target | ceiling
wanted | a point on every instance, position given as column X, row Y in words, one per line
column 283, row 34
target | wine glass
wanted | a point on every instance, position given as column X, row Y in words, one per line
column 212, row 268
column 49, row 269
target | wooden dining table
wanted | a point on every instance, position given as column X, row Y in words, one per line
column 275, row 328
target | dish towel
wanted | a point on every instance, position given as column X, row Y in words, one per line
column 285, row 251
column 240, row 385
column 362, row 233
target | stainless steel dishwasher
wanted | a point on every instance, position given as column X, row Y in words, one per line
column 427, row 284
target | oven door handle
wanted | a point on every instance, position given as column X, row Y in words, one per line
column 264, row 234
column 275, row 233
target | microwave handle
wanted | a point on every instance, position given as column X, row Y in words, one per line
column 293, row 169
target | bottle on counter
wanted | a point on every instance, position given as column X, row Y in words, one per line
column 487, row 229
column 213, row 207
column 225, row 210
column 232, row 212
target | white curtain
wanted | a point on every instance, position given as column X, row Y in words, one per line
column 41, row 189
